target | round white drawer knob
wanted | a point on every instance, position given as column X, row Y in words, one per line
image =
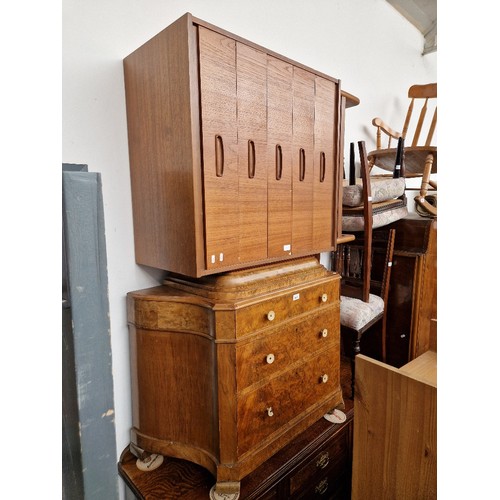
column 324, row 297
column 324, row 378
column 270, row 411
column 271, row 315
column 324, row 333
column 270, row 358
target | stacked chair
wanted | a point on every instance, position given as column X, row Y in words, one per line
column 421, row 152
column 368, row 203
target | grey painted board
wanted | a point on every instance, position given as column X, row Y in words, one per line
column 72, row 470
column 75, row 167
column 87, row 294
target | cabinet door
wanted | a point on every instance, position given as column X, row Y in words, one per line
column 251, row 92
column 217, row 55
column 302, row 160
column 325, row 106
column 279, row 139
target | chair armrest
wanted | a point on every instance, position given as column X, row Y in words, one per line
column 382, row 126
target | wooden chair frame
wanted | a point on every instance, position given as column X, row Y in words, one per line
column 420, row 160
column 363, row 293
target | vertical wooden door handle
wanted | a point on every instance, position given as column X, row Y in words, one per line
column 219, row 156
column 279, row 162
column 322, row 166
column 302, row 164
column 251, row 159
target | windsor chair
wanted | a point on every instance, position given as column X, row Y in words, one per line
column 420, row 155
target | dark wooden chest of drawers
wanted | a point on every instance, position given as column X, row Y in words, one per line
column 228, row 369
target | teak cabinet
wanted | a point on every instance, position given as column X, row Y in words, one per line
column 234, row 152
column 228, row 369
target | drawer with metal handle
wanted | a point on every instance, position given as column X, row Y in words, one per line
column 322, row 470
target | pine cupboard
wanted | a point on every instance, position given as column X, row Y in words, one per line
column 235, row 152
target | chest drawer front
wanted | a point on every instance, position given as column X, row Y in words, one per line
column 286, row 345
column 172, row 316
column 328, row 463
column 265, row 410
column 325, row 488
column 286, row 306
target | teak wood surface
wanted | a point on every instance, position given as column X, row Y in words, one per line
column 235, row 152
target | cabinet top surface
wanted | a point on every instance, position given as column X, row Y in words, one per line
column 199, row 22
column 245, row 283
column 424, row 367
column 351, row 100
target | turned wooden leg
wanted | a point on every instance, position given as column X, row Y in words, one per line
column 426, row 176
column 425, row 185
column 356, row 351
column 383, row 339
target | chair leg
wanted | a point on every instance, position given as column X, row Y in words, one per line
column 424, row 186
column 426, row 176
column 384, row 339
column 356, row 350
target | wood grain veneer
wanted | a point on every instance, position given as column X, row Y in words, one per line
column 317, row 460
column 203, row 386
column 235, row 152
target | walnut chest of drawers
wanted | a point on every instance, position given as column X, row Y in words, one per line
column 228, row 369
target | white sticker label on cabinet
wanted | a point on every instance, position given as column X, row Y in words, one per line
column 287, row 248
column 296, row 296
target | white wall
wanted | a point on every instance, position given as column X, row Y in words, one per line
column 368, row 45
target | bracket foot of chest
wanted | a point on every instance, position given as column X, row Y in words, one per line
column 225, row 491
